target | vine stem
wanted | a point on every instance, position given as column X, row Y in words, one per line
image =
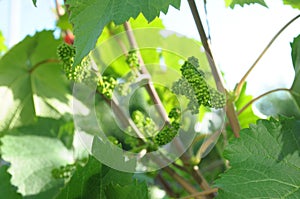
column 197, row 175
column 182, row 182
column 166, row 186
column 230, row 110
column 205, row 44
column 149, row 86
column 128, row 122
column 203, row 193
column 242, row 81
column 260, row 96
column 155, row 98
column 46, row 61
column 58, row 9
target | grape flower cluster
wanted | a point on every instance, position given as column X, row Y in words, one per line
column 193, row 85
column 64, row 172
column 132, row 59
column 168, row 133
column 106, row 86
column 133, row 62
column 66, row 54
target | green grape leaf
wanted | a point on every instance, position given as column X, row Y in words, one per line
column 91, row 180
column 32, row 83
column 63, row 22
column 232, row 3
column 247, row 116
column 295, row 89
column 6, row 189
column 136, row 190
column 113, row 156
column 264, row 162
column 32, row 159
column 90, row 17
column 2, row 44
column 48, row 127
column 34, row 2
column 49, row 193
column 293, row 3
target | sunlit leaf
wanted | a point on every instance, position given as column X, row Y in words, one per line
column 32, row 159
column 247, row 116
column 32, row 83
column 2, row 44
column 293, row 3
column 232, row 3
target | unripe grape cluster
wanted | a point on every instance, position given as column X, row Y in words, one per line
column 133, row 62
column 66, row 54
column 147, row 127
column 182, row 87
column 193, row 85
column 124, row 87
column 64, row 172
column 144, row 124
column 106, row 86
column 168, row 133
column 218, row 99
column 132, row 59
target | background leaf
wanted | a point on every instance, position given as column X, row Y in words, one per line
column 90, row 17
column 135, row 190
column 26, row 91
column 296, row 62
column 232, row 3
column 264, row 162
column 34, row 2
column 293, row 3
column 32, row 159
column 247, row 116
column 6, row 189
column 2, row 44
column 48, row 127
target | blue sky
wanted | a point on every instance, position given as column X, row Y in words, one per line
column 238, row 35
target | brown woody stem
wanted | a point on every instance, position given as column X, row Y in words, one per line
column 149, row 86
column 203, row 193
column 230, row 111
